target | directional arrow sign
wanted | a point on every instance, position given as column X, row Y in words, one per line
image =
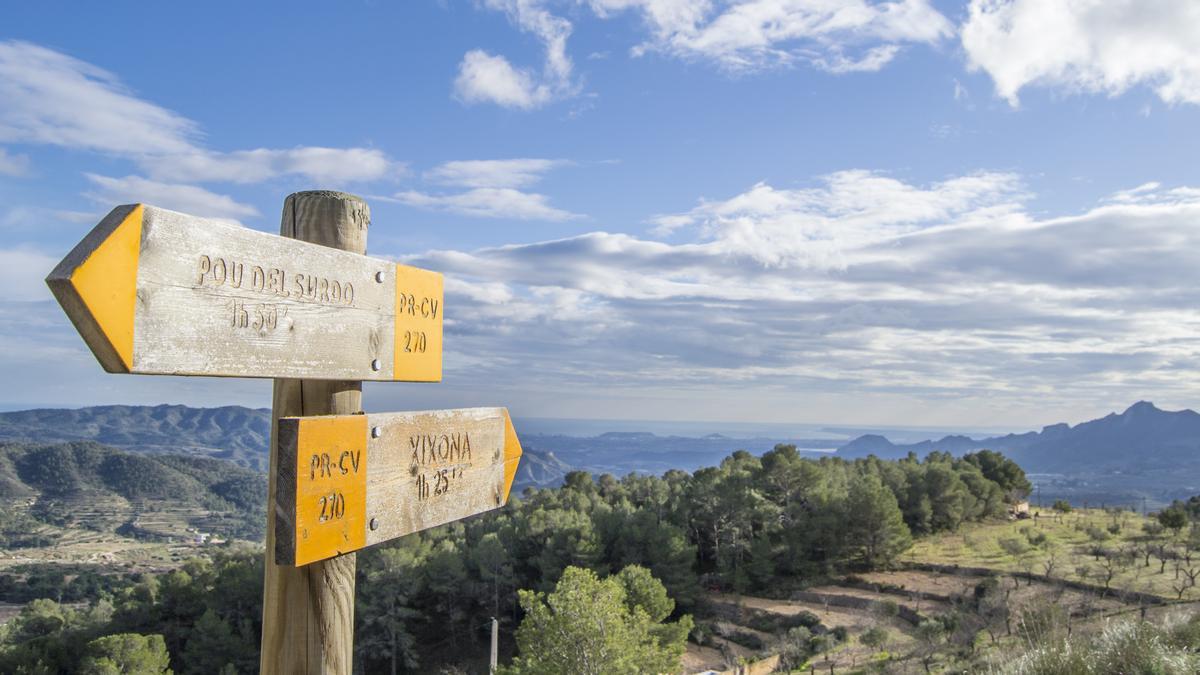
column 158, row 292
column 350, row 481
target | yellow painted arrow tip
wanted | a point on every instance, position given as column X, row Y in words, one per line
column 512, row 454
column 106, row 282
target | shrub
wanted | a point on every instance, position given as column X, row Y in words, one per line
column 803, row 619
column 795, row 647
column 1062, row 506
column 875, row 638
column 819, row 644
column 1012, row 546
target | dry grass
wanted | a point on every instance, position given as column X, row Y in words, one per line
column 1068, row 541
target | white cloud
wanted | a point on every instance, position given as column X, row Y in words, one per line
column 745, row 35
column 13, row 165
column 495, row 173
column 864, row 285
column 1087, row 46
column 50, row 98
column 813, row 227
column 189, row 199
column 488, row 203
column 484, row 78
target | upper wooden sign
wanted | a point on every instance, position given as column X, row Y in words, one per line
column 350, row 481
column 157, row 292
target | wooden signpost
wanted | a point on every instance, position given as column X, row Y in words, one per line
column 157, row 292
column 351, row 481
column 162, row 293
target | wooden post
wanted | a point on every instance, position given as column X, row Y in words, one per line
column 308, row 612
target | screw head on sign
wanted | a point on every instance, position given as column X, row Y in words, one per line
column 379, row 277
column 375, row 432
column 375, row 364
column 374, row 524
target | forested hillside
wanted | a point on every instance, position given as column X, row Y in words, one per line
column 86, row 485
column 765, row 524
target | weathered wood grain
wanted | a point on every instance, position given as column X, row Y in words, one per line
column 351, row 481
column 308, row 612
column 210, row 298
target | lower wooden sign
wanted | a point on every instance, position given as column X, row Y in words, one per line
column 346, row 482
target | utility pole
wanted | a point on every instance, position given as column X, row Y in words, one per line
column 495, row 657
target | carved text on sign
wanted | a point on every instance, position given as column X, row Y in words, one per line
column 218, row 271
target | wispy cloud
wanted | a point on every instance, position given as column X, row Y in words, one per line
column 53, row 99
column 1093, row 47
column 493, row 189
column 30, row 218
column 13, row 165
column 323, row 165
column 488, row 203
column 496, row 173
column 187, row 198
column 21, row 272
column 50, row 98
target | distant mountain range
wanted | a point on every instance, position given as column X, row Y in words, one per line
column 623, row 452
column 1140, row 450
column 232, row 433
column 1143, row 437
column 237, row 434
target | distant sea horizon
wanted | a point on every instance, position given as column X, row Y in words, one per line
column 829, row 436
column 833, row 434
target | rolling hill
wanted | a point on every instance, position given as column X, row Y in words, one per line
column 233, row 433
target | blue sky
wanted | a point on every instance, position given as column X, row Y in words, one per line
column 909, row 212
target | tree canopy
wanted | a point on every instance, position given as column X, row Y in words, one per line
column 592, row 626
